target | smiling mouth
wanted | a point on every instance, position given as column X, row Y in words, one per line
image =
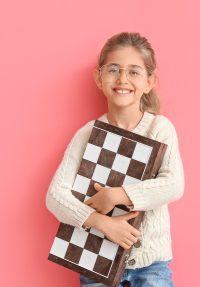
column 122, row 91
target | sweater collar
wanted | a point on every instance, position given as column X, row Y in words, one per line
column 140, row 128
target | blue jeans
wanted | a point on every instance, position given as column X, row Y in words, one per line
column 157, row 274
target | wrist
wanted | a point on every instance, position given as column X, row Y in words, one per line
column 94, row 220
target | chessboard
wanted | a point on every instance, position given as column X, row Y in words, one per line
column 113, row 157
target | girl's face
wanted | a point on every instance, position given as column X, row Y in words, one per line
column 123, row 78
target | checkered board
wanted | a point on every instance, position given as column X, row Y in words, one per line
column 113, row 157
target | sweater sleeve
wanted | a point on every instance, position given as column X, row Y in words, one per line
column 168, row 186
column 59, row 199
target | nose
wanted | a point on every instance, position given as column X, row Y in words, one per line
column 123, row 76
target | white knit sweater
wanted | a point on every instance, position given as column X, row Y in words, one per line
column 151, row 195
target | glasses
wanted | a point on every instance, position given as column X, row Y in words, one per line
column 110, row 72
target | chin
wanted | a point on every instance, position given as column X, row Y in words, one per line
column 123, row 103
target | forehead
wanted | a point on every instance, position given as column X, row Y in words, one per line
column 125, row 56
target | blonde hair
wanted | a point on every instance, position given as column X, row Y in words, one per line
column 149, row 102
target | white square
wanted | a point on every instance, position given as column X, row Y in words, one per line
column 130, row 180
column 118, row 211
column 112, row 142
column 101, row 174
column 59, row 247
column 81, row 184
column 121, row 163
column 96, row 232
column 92, row 152
column 108, row 249
column 142, row 152
column 88, row 260
column 79, row 237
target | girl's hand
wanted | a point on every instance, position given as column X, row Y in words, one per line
column 115, row 228
column 107, row 197
column 103, row 200
column 118, row 230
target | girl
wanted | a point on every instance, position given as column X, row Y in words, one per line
column 126, row 77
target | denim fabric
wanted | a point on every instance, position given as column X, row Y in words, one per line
column 157, row 274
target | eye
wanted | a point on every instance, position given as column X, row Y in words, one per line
column 112, row 69
column 133, row 73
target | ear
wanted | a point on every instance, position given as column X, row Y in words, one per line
column 97, row 78
column 151, row 82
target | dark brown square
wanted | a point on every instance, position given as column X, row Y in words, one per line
column 73, row 253
column 126, row 147
column 86, row 168
column 115, row 178
column 78, row 195
column 97, row 137
column 106, row 158
column 102, row 265
column 136, row 169
column 65, row 231
column 93, row 243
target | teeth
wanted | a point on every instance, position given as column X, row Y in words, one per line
column 123, row 91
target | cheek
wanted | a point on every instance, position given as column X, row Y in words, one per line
column 104, row 91
column 106, row 87
column 142, row 85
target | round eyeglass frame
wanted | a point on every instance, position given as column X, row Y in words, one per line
column 120, row 68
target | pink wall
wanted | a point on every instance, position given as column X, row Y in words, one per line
column 48, row 49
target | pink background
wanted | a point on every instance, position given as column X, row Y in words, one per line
column 47, row 52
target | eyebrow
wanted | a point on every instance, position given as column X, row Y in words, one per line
column 134, row 66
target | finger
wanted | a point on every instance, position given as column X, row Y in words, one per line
column 129, row 242
column 104, row 211
column 133, row 238
column 135, row 232
column 125, row 245
column 101, row 211
column 97, row 186
column 88, row 202
column 130, row 215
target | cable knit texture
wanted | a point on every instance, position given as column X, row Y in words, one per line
column 152, row 195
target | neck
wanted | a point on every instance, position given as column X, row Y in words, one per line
column 127, row 118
